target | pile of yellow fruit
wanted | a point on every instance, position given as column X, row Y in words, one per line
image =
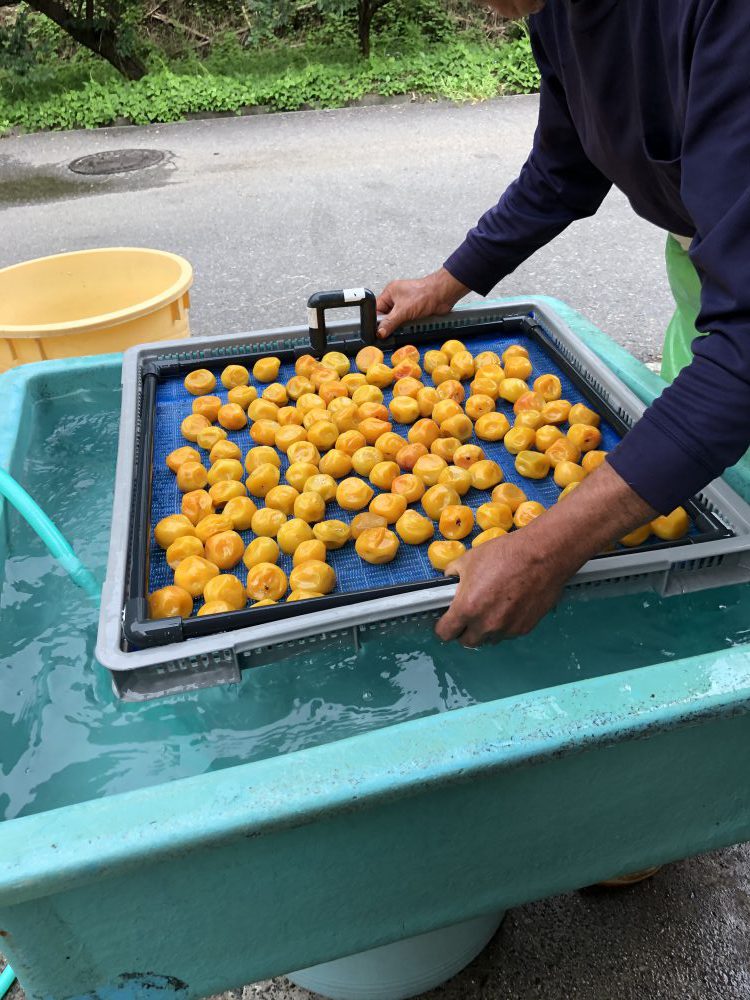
column 337, row 432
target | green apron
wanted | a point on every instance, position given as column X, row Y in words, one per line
column 681, row 332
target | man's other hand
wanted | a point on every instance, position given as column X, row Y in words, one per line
column 403, row 301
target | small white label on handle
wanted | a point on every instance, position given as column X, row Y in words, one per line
column 354, row 294
column 312, row 318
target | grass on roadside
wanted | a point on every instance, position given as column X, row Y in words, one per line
column 86, row 93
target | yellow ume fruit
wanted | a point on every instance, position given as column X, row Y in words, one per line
column 456, row 522
column 637, row 537
column 409, row 486
column 414, row 528
column 669, row 527
column 519, row 439
column 361, row 522
column 333, row 533
column 194, row 573
column 377, row 545
column 210, row 436
column 437, row 498
column 282, row 498
column 196, row 505
column 262, row 480
column 526, row 512
column 298, row 473
column 226, row 588
column 170, row 602
column 234, row 375
column 224, row 491
column 489, row 535
column 262, row 455
column 242, row 395
column 225, row 469
column 510, row 494
column 261, row 550
column 240, row 511
column 548, row 386
column 441, row 554
column 293, row 533
column 458, row 478
column 313, row 575
column 383, row 474
column 207, row 406
column 170, row 528
column 584, row 436
column 224, row 449
column 494, row 515
column 200, row 382
column 267, row 369
column 485, row 474
column 225, row 549
column 183, row 547
column 214, row 608
column 388, row 505
column 180, row 455
column 267, row 521
column 593, row 459
column 492, row 426
column 191, row 476
column 192, row 425
column 567, row 473
column 266, row 581
column 313, row 549
column 428, row 468
column 232, row 417
column 532, row 464
column 468, row 455
column 581, row 414
column 310, row 507
column 213, row 524
column 353, row 494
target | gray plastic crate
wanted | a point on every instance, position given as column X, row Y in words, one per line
column 219, row 658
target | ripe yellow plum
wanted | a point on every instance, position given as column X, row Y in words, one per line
column 377, row 545
column 532, row 464
column 442, row 553
column 200, row 382
column 194, row 573
column 170, row 602
column 266, row 581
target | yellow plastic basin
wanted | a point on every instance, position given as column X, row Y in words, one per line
column 91, row 302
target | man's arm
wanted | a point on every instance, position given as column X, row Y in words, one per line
column 557, row 185
column 700, row 425
column 506, row 586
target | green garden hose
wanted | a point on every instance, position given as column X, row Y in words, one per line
column 7, row 978
column 50, row 535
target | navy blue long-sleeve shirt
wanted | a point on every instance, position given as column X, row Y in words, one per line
column 654, row 97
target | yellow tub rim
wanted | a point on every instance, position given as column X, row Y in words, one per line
column 86, row 324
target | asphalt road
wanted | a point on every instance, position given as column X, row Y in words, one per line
column 269, row 209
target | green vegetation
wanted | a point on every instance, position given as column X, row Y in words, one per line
column 203, row 57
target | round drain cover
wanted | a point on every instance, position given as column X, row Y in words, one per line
column 117, row 161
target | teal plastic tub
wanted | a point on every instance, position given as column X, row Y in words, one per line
column 333, row 802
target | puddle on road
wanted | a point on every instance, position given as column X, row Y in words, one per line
column 22, row 183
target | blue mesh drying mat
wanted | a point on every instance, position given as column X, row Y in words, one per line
column 411, row 565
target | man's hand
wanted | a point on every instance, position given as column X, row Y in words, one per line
column 506, row 586
column 403, row 301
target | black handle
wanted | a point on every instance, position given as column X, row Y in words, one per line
column 318, row 303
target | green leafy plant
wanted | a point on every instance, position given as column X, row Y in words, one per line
column 418, row 53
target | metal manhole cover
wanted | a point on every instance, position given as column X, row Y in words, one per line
column 117, row 161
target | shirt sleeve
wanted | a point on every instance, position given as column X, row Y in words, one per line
column 557, row 185
column 700, row 425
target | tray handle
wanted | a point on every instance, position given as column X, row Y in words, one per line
column 320, row 302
